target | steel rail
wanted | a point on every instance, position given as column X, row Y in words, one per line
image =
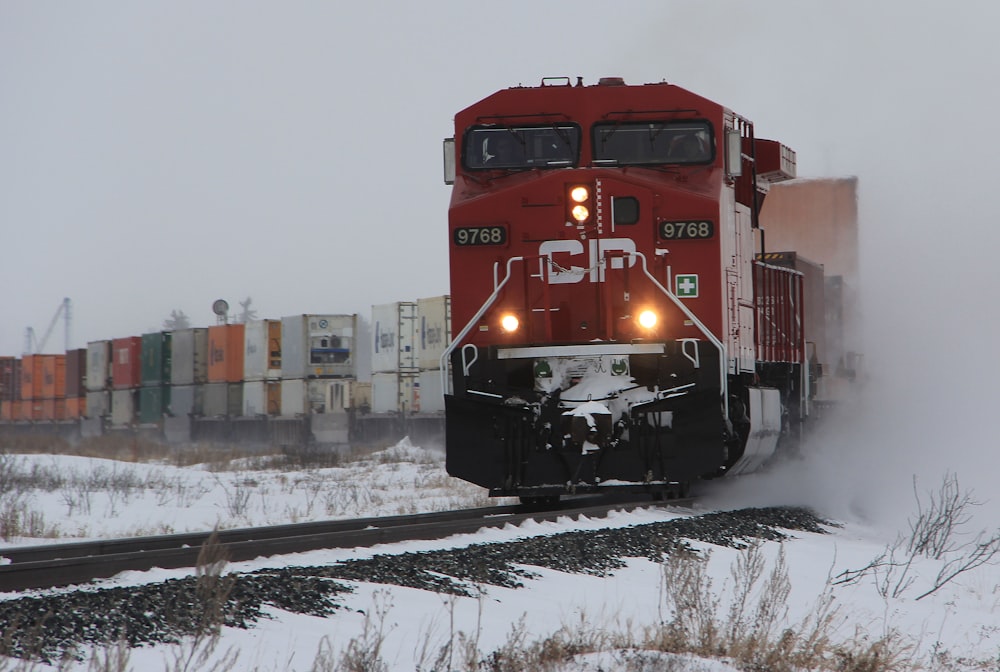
column 78, row 563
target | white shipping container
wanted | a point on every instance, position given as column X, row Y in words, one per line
column 393, row 392
column 98, row 404
column 186, row 400
column 216, row 399
column 98, row 366
column 303, row 397
column 433, row 330
column 293, row 396
column 428, row 396
column 123, row 407
column 318, row 346
column 188, row 356
column 261, row 397
column 395, row 330
column 262, row 352
column 254, row 398
column 347, row 394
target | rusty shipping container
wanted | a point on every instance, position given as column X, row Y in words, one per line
column 53, row 385
column 76, row 408
column 76, row 372
column 17, row 410
column 31, row 377
column 126, row 363
column 50, row 409
column 813, row 301
column 225, row 353
column 10, row 378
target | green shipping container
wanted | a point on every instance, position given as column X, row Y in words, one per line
column 156, row 359
column 153, row 401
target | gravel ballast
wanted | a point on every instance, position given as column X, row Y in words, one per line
column 47, row 627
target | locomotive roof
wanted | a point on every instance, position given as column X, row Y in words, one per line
column 610, row 98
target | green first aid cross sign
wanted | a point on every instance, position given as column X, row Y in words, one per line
column 686, row 286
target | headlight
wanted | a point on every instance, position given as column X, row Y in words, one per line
column 579, row 203
column 647, row 319
column 509, row 323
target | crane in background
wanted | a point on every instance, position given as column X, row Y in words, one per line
column 33, row 345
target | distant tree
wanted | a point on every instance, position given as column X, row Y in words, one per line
column 177, row 320
column 246, row 314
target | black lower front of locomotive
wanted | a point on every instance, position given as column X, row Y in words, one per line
column 503, row 435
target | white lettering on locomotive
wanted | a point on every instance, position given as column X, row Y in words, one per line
column 564, row 272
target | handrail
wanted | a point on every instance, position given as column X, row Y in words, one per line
column 723, row 359
column 468, row 327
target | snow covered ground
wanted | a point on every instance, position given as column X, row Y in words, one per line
column 953, row 628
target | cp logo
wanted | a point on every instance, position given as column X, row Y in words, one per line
column 564, row 252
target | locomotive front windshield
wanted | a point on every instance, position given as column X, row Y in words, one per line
column 521, row 147
column 650, row 143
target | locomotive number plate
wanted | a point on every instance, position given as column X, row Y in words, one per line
column 686, row 230
column 480, row 235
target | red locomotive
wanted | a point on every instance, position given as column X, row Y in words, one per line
column 614, row 326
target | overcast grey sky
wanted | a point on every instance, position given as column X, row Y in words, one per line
column 160, row 155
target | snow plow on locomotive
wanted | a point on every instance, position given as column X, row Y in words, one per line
column 618, row 324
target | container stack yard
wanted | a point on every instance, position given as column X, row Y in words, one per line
column 289, row 381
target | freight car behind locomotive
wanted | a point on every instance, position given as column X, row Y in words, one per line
column 618, row 323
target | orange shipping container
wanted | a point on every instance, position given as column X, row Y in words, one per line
column 225, row 353
column 76, row 407
column 53, row 385
column 31, row 375
column 15, row 410
column 6, row 410
column 49, row 409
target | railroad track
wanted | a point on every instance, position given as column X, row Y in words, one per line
column 75, row 563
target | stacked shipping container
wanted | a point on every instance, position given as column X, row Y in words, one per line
column 98, row 379
column 314, row 348
column 297, row 366
column 76, row 377
column 394, row 357
column 10, row 388
column 224, row 374
column 188, row 371
column 154, row 395
column 434, row 325
column 126, row 379
column 262, row 368
column 43, row 388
